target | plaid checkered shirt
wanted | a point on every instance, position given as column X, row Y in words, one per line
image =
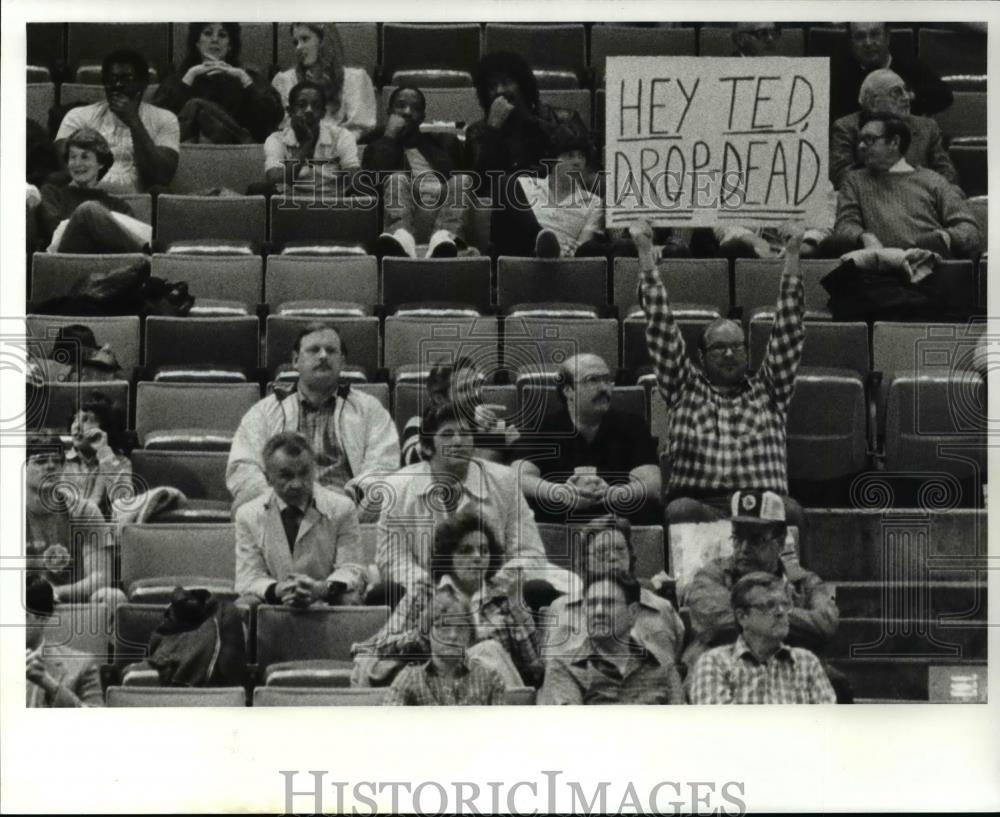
column 422, row 685
column 733, row 675
column 722, row 443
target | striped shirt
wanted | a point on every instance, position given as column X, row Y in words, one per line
column 721, row 443
column 733, row 675
column 317, row 424
column 422, row 685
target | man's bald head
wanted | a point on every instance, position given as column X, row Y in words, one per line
column 884, row 91
column 586, row 385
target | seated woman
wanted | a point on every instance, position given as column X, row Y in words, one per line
column 215, row 99
column 466, row 558
column 78, row 217
column 98, row 466
column 319, row 57
column 461, row 384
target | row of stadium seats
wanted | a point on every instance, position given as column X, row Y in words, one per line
column 563, row 53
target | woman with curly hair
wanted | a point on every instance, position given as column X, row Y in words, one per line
column 466, row 560
column 98, row 463
column 215, row 99
column 319, row 57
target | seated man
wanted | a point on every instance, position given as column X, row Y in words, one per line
column 352, row 435
column 755, row 39
column 448, row 677
column 308, row 138
column 869, row 50
column 759, row 532
column 727, row 426
column 66, row 539
column 297, row 543
column 658, row 628
column 417, row 169
column 760, row 668
column 605, row 458
column 610, row 667
column 145, row 140
column 890, row 203
column 57, row 676
column 883, row 91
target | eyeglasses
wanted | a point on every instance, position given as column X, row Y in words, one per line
column 870, row 138
column 721, row 348
column 595, row 379
column 772, row 607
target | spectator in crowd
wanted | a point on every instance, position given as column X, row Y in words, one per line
column 449, row 677
column 889, row 203
column 352, row 435
column 557, row 215
column 610, row 667
column 759, row 534
column 869, row 50
column 760, row 668
column 57, row 676
column 309, row 138
column 517, row 131
column 461, row 383
column 419, row 496
column 66, row 539
column 727, row 426
column 297, row 543
column 755, row 39
column 883, row 91
column 76, row 357
column 607, row 547
column 81, row 217
column 418, row 169
column 144, row 139
column 98, row 465
column 39, row 153
column 466, row 562
column 319, row 57
column 217, row 100
column 589, row 458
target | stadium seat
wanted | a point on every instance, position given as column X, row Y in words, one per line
column 519, row 696
column 134, row 627
column 635, row 351
column 444, row 54
column 572, row 99
column 120, row 332
column 359, row 41
column 175, row 696
column 526, row 281
column 966, row 116
column 318, row 696
column 233, row 167
column 234, row 224
column 191, row 416
column 419, row 342
column 157, row 557
column 359, row 335
column 87, row 94
column 972, row 165
column 197, row 474
column 46, row 43
column 220, row 284
column 57, row 403
column 556, row 52
column 757, row 283
column 37, row 74
column 90, row 42
column 54, row 274
column 410, row 400
column 92, row 75
column 221, row 348
column 535, row 345
column 454, row 105
column 307, row 285
column 82, row 627
column 312, row 646
column 415, row 281
column 952, row 52
column 840, row 344
column 692, row 281
column 717, row 41
column 41, row 96
column 296, row 224
column 141, row 205
column 609, row 40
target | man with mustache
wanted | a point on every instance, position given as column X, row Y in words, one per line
column 588, row 459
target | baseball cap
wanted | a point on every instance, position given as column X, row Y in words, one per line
column 757, row 507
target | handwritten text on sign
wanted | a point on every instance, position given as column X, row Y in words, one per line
column 699, row 141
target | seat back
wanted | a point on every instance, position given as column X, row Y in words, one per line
column 452, row 46
column 287, row 634
column 90, row 42
column 532, row 280
column 57, row 403
column 234, row 167
column 458, row 105
column 609, row 40
column 757, row 281
column 519, row 696
column 533, row 343
column 226, row 277
column 552, row 46
column 359, row 41
column 40, row 97
column 82, row 627
column 952, row 52
column 717, row 41
column 54, row 274
column 189, row 549
column 223, row 341
column 193, row 218
column 168, row 406
column 454, row 280
column 310, row 278
column 425, row 341
column 688, row 281
column 134, row 627
column 535, row 400
column 176, row 696
column 828, row 344
column 141, row 205
column 972, row 164
column 349, row 221
column 197, row 474
column 648, row 542
column 635, row 350
column 571, row 99
column 359, row 335
column 966, row 116
column 318, row 696
column 827, row 425
column 121, row 332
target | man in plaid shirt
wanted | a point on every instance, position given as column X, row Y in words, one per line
column 760, row 668
column 727, row 427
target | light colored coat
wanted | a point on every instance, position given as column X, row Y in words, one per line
column 78, row 677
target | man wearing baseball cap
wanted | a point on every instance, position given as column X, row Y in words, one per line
column 759, row 532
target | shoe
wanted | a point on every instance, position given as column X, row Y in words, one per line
column 442, row 245
column 397, row 244
column 547, row 245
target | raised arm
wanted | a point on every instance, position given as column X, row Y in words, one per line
column 788, row 333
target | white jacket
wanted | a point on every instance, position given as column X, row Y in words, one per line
column 364, row 429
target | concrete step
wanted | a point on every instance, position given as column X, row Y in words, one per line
column 901, row 545
column 900, row 679
column 887, row 638
column 932, row 598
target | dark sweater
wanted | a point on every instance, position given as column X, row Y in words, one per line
column 386, row 155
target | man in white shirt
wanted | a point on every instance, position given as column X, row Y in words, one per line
column 144, row 139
